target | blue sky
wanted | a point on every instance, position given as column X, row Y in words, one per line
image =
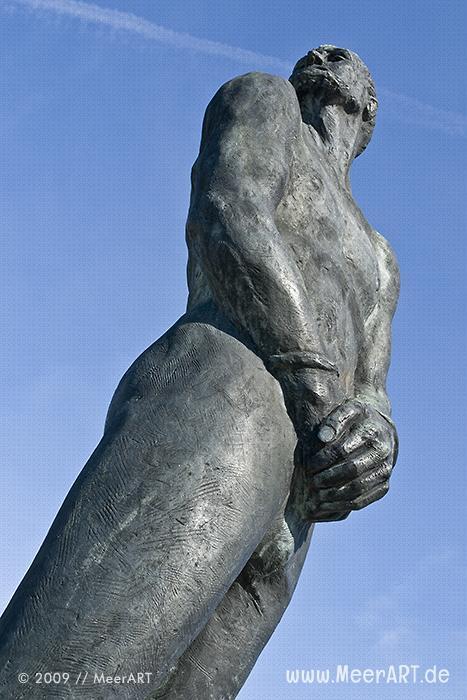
column 101, row 116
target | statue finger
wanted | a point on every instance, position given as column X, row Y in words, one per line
column 326, row 517
column 323, row 459
column 345, row 471
column 357, row 487
column 356, row 503
column 365, row 435
column 357, row 441
column 339, row 420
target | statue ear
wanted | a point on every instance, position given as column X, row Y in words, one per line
column 370, row 110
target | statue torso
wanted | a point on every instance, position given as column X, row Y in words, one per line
column 332, row 246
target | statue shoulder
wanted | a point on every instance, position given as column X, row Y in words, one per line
column 258, row 86
column 254, row 96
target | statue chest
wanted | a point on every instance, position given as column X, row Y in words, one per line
column 331, row 243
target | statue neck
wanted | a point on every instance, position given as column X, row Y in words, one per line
column 336, row 132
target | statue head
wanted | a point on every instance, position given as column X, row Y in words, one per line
column 329, row 75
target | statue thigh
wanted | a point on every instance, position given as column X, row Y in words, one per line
column 219, row 660
column 233, row 472
column 157, row 537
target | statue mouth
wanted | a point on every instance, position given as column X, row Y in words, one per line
column 316, row 78
column 322, row 82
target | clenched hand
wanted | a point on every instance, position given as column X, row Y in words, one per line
column 349, row 465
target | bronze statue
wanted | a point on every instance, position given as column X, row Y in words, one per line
column 262, row 411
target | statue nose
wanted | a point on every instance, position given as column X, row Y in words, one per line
column 314, row 57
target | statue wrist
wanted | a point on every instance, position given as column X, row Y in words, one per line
column 310, row 384
column 289, row 361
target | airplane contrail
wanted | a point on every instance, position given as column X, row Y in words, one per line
column 129, row 22
column 401, row 107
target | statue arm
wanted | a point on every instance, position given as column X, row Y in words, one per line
column 359, row 439
column 373, row 365
column 237, row 182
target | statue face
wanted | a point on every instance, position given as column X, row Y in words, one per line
column 329, row 75
column 334, row 76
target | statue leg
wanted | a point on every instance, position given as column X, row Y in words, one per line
column 194, row 466
column 221, row 657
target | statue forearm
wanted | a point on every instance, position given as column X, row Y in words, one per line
column 253, row 278
column 374, row 395
column 375, row 355
column 255, row 281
